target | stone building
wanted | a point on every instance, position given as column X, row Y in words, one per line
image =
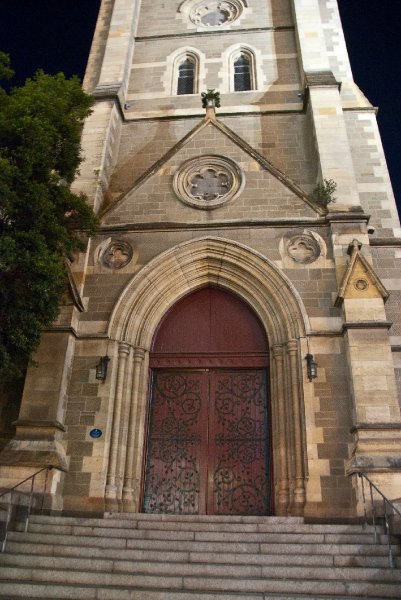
column 226, row 272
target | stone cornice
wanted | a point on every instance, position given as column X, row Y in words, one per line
column 225, row 32
column 375, row 426
column 228, row 224
column 385, row 242
column 36, row 423
column 366, row 325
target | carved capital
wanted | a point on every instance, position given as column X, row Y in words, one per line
column 278, row 351
column 292, row 346
column 123, row 349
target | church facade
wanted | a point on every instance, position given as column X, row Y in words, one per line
column 231, row 339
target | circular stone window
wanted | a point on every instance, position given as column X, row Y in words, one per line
column 208, row 182
column 215, row 14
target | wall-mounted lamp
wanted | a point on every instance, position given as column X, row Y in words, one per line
column 101, row 368
column 311, row 367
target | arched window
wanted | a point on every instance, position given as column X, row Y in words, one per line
column 186, row 76
column 243, row 73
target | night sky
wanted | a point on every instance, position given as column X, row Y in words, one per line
column 55, row 35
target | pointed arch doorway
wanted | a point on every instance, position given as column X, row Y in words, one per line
column 208, row 447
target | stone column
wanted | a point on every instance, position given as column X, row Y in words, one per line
column 299, row 488
column 115, row 441
column 282, row 440
column 136, row 423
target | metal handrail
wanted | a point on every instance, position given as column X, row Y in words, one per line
column 389, row 510
column 11, row 506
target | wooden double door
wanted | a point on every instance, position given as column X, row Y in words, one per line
column 208, row 442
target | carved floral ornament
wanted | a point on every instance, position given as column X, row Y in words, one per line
column 303, row 248
column 212, row 14
column 117, row 254
column 208, row 182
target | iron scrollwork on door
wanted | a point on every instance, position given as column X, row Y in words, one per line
column 172, row 474
column 241, row 443
column 208, row 443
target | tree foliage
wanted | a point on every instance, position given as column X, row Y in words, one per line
column 41, row 220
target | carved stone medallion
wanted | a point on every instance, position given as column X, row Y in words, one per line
column 215, row 13
column 303, row 248
column 117, row 254
column 208, row 181
column 361, row 285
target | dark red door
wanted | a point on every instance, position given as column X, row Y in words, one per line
column 238, row 443
column 175, row 470
column 208, row 443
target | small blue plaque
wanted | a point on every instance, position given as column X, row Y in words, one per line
column 95, row 433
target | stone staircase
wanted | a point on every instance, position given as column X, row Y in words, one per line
column 155, row 557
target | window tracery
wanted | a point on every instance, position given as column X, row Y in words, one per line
column 243, row 70
column 186, row 76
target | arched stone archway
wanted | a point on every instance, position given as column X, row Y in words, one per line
column 225, row 264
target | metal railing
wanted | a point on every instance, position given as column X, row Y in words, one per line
column 25, row 501
column 381, row 508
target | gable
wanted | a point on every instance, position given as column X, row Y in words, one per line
column 360, row 280
column 266, row 193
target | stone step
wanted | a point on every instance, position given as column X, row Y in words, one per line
column 33, row 591
column 200, row 584
column 276, row 557
column 266, row 525
column 214, row 535
column 165, row 557
column 204, row 569
column 201, row 518
column 199, row 546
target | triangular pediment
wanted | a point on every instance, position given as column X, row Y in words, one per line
column 211, row 136
column 360, row 280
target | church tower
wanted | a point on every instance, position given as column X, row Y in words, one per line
column 231, row 339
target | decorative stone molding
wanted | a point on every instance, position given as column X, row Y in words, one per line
column 208, row 182
column 114, row 254
column 173, row 60
column 107, row 90
column 117, row 254
column 226, row 72
column 360, row 281
column 73, row 288
column 321, row 79
column 146, row 299
column 302, row 248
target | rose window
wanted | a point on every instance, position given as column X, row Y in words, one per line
column 208, row 182
column 214, row 13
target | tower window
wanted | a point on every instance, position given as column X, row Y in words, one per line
column 186, row 77
column 242, row 73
